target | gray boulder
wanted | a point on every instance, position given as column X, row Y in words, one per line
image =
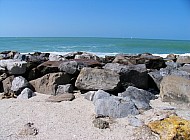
column 100, row 94
column 13, row 66
column 131, row 75
column 115, row 107
column 61, row 97
column 89, row 95
column 95, row 79
column 25, row 94
column 186, row 68
column 48, row 84
column 56, row 57
column 7, row 83
column 183, row 59
column 18, row 84
column 140, row 97
column 61, row 89
column 175, row 88
column 69, row 67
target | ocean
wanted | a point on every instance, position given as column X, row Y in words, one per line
column 98, row 46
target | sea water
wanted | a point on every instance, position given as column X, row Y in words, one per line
column 98, row 46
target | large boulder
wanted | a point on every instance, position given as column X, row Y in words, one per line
column 131, row 75
column 94, row 79
column 56, row 57
column 86, row 55
column 157, row 76
column 175, row 88
column 25, row 94
column 18, row 84
column 14, row 67
column 7, row 83
column 70, row 67
column 115, row 107
column 140, row 97
column 48, row 84
column 183, row 59
column 43, row 69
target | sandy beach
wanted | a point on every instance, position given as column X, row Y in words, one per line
column 69, row 120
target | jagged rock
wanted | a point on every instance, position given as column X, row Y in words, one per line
column 61, row 97
column 140, row 97
column 172, row 57
column 7, row 54
column 48, row 84
column 174, row 88
column 26, row 94
column 70, row 67
column 186, row 68
column 100, row 94
column 61, row 89
column 133, row 121
column 130, row 75
column 183, row 59
column 7, row 83
column 153, row 62
column 86, row 55
column 128, row 59
column 145, row 133
column 89, row 95
column 13, row 66
column 43, row 69
column 94, row 79
column 20, row 57
column 115, row 107
column 56, row 57
column 101, row 124
column 157, row 76
column 37, row 57
column 28, row 130
column 172, row 128
column 18, row 84
column 71, row 55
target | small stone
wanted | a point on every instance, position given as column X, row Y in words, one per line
column 29, row 130
column 61, row 97
column 101, row 124
column 26, row 94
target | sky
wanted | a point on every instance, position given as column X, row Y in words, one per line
column 153, row 19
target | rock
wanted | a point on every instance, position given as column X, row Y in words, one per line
column 153, row 62
column 89, row 95
column 3, row 77
column 172, row 57
column 86, row 55
column 186, row 68
column 48, row 84
column 20, row 57
column 61, row 97
column 130, row 75
column 175, row 88
column 133, row 121
column 43, row 69
column 173, row 65
column 108, row 59
column 115, row 107
column 7, row 83
column 95, row 79
column 172, row 128
column 61, row 89
column 7, row 54
column 156, row 77
column 101, row 124
column 140, row 97
column 183, row 59
column 145, row 133
column 56, row 57
column 13, row 66
column 26, row 94
column 75, row 65
column 18, row 84
column 70, row 67
column 37, row 57
column 28, row 130
column 100, row 94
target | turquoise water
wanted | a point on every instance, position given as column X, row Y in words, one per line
column 95, row 45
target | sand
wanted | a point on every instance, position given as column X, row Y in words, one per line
column 69, row 120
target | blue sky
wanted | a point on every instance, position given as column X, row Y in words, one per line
column 162, row 19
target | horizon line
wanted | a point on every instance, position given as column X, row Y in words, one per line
column 93, row 37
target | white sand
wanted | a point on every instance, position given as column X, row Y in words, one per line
column 61, row 121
